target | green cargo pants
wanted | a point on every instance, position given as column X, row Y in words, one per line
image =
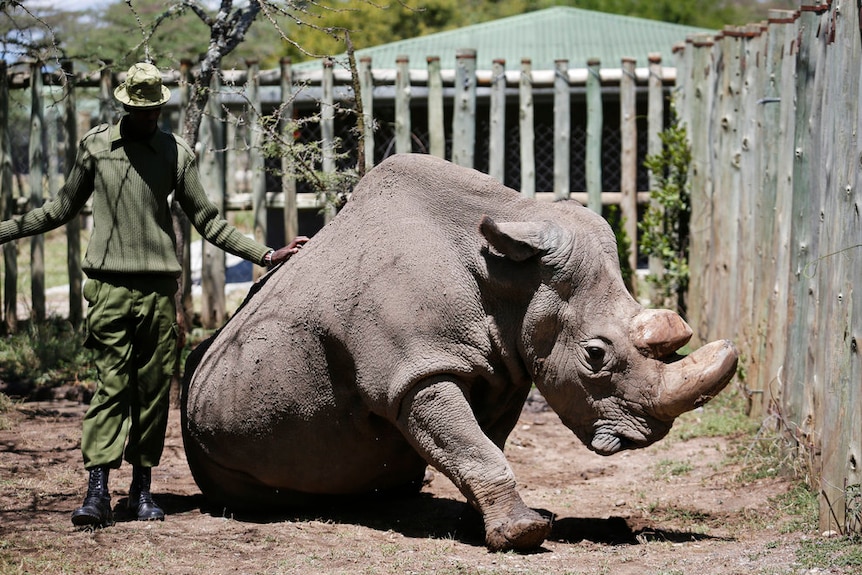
column 131, row 326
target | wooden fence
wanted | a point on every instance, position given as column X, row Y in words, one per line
column 324, row 89
column 773, row 112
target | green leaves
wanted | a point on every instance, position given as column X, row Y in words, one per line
column 665, row 225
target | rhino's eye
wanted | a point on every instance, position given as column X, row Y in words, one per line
column 596, row 351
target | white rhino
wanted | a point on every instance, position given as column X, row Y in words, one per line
column 410, row 330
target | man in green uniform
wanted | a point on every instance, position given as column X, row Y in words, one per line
column 130, row 169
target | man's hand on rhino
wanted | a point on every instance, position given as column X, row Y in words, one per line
column 285, row 253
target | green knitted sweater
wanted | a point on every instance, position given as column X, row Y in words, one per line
column 130, row 182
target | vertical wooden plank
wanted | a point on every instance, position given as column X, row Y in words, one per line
column 725, row 201
column 628, row 159
column 232, row 166
column 655, row 108
column 7, row 206
column 366, row 87
column 464, row 118
column 52, row 162
column 841, row 236
column 256, row 159
column 211, row 143
column 497, row 139
column 798, row 399
column 754, row 333
column 73, row 228
column 595, row 125
column 527, row 129
column 853, row 355
column 288, row 178
column 436, row 124
column 655, row 126
column 403, row 135
column 37, row 174
column 327, row 129
column 699, row 104
column 759, row 122
column 820, row 123
column 562, row 130
column 784, row 27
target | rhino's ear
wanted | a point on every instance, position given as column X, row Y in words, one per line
column 521, row 240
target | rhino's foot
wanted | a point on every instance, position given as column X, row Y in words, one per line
column 522, row 532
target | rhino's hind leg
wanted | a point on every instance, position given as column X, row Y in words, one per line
column 438, row 421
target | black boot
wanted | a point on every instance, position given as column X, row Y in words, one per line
column 96, row 510
column 140, row 498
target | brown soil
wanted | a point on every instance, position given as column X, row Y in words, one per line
column 625, row 514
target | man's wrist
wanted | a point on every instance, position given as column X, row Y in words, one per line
column 267, row 258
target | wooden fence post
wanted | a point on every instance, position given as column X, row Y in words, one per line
column 698, row 101
column 784, row 25
column 288, row 179
column 73, row 228
column 107, row 104
column 759, row 56
column 628, row 160
column 436, row 123
column 256, row 161
column 212, row 174
column 464, row 120
column 37, row 174
column 595, row 125
column 655, row 126
column 497, row 136
column 366, row 87
column 7, row 202
column 327, row 130
column 527, row 129
column 562, row 130
column 799, row 403
column 773, row 205
column 723, row 309
column 403, row 127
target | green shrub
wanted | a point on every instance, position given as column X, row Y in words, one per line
column 5, row 407
column 614, row 216
column 665, row 224
column 44, row 356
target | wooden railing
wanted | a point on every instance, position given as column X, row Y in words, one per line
column 320, row 90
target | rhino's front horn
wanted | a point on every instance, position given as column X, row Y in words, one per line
column 657, row 333
column 696, row 378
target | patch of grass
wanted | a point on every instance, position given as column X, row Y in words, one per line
column 671, row 468
column 770, row 453
column 724, row 416
column 830, row 553
column 684, row 515
column 800, row 504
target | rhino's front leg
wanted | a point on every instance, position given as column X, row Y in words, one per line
column 438, row 421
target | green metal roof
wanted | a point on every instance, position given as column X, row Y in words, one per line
column 542, row 36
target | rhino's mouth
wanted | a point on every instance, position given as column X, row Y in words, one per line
column 608, row 443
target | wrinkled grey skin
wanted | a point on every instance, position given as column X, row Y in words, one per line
column 409, row 331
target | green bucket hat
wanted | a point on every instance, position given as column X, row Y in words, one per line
column 143, row 87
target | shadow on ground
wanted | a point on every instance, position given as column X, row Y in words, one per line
column 426, row 516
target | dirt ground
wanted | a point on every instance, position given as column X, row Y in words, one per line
column 678, row 507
